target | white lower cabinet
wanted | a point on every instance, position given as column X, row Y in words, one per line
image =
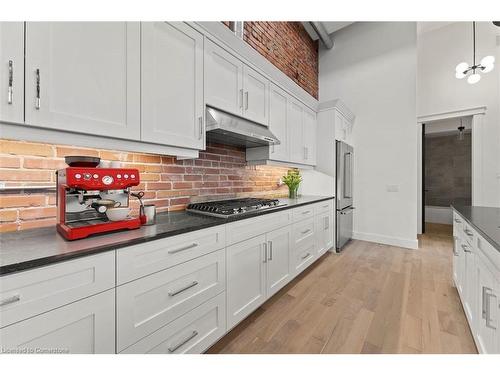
column 246, row 278
column 147, row 304
column 323, row 226
column 85, row 327
column 476, row 273
column 194, row 332
column 304, row 245
column 279, row 273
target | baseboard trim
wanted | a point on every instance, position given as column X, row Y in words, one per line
column 386, row 240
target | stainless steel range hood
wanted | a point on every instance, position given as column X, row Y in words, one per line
column 229, row 129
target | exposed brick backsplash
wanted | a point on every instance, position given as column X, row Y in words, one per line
column 288, row 46
column 219, row 172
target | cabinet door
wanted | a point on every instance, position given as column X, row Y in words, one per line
column 309, row 131
column 340, row 132
column 456, row 261
column 172, row 84
column 279, row 246
column 488, row 310
column 12, row 71
column 83, row 327
column 223, row 79
column 324, row 232
column 469, row 283
column 460, row 268
column 256, row 96
column 84, row 77
column 278, row 123
column 297, row 149
column 246, row 278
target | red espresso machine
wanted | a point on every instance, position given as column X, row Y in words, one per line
column 86, row 193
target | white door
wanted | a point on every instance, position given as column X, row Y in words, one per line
column 297, row 149
column 279, row 246
column 172, row 84
column 256, row 96
column 83, row 327
column 278, row 123
column 84, row 77
column 223, row 79
column 12, row 71
column 488, row 309
column 246, row 278
column 309, row 131
column 324, row 232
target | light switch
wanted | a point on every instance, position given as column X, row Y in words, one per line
column 392, row 188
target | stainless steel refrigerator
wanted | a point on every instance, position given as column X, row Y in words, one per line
column 343, row 193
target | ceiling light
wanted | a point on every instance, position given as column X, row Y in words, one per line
column 486, row 65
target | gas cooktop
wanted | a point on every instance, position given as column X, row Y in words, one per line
column 231, row 207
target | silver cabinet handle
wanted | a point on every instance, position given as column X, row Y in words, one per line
column 200, row 125
column 306, row 212
column 327, row 222
column 173, row 251
column 305, row 231
column 455, row 252
column 305, row 256
column 483, row 302
column 265, row 252
column 457, row 221
column 270, row 250
column 488, row 295
column 9, row 300
column 241, row 98
column 11, row 82
column 184, row 288
column 466, row 248
column 468, row 232
column 184, row 341
column 246, row 100
column 37, row 101
column 305, row 157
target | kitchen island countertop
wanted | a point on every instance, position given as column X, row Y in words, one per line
column 485, row 220
column 33, row 248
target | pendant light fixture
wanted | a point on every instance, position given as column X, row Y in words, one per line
column 485, row 66
column 461, row 129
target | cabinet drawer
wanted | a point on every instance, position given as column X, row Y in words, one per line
column 303, row 257
column 29, row 293
column 468, row 233
column 325, row 206
column 245, row 229
column 83, row 327
column 488, row 251
column 304, row 212
column 303, row 232
column 145, row 305
column 140, row 260
column 192, row 333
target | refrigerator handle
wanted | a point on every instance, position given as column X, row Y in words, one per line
column 347, row 175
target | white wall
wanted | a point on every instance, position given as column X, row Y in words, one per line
column 372, row 68
column 438, row 91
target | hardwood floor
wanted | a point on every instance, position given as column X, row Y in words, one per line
column 370, row 299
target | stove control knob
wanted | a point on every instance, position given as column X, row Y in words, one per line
column 87, row 176
column 118, row 176
column 107, row 180
column 96, row 175
column 78, row 176
column 125, row 175
column 132, row 176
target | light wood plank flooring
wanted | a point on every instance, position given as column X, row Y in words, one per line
column 369, row 299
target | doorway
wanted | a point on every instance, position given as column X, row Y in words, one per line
column 446, row 168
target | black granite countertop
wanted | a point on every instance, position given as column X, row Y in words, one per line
column 27, row 249
column 485, row 220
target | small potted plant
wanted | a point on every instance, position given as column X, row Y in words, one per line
column 292, row 179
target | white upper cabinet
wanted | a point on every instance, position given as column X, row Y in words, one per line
column 255, row 96
column 278, row 114
column 172, row 84
column 84, row 77
column 309, row 124
column 296, row 137
column 223, row 79
column 12, row 71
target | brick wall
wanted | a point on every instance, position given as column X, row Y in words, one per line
column 288, row 46
column 170, row 184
